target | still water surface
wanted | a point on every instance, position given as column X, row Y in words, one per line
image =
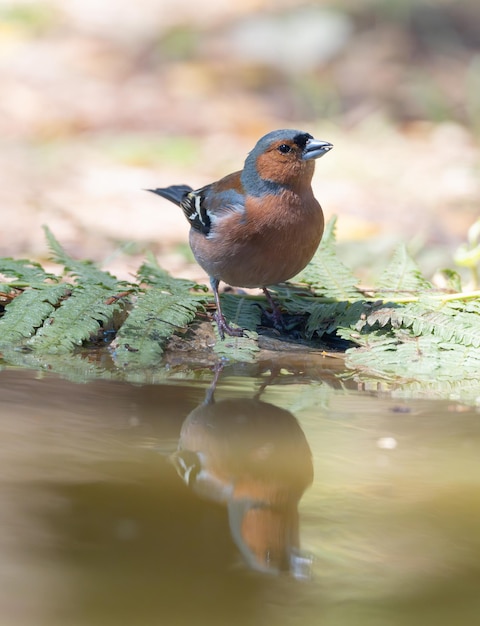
column 301, row 504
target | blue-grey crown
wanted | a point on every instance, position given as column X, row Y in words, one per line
column 287, row 134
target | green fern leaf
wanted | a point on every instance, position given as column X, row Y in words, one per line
column 326, row 274
column 370, row 339
column 77, row 319
column 401, row 276
column 465, row 306
column 324, row 318
column 242, row 349
column 84, row 272
column 241, row 311
column 343, row 315
column 24, row 271
column 426, row 317
column 447, row 324
column 152, row 274
column 28, row 311
column 156, row 316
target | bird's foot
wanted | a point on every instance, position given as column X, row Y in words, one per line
column 224, row 328
column 276, row 314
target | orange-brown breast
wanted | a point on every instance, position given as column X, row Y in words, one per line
column 272, row 242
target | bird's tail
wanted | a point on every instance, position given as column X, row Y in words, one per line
column 174, row 193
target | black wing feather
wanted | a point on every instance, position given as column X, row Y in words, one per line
column 193, row 206
column 191, row 202
column 174, row 193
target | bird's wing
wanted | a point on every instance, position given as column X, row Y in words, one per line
column 204, row 207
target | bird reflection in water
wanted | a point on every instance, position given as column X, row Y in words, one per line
column 253, row 457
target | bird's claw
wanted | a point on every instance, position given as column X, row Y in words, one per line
column 276, row 319
column 224, row 328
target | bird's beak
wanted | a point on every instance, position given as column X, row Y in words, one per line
column 315, row 149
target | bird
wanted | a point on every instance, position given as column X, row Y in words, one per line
column 258, row 226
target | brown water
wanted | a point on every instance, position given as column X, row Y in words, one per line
column 307, row 505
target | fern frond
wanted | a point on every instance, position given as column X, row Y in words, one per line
column 322, row 317
column 328, row 318
column 326, row 274
column 466, row 306
column 84, row 272
column 79, row 317
column 152, row 274
column 24, row 271
column 28, row 311
column 242, row 311
column 462, row 328
column 156, row 316
column 421, row 318
column 246, row 314
column 401, row 276
column 243, row 349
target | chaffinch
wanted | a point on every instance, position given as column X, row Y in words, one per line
column 259, row 226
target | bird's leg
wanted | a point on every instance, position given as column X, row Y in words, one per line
column 276, row 313
column 223, row 327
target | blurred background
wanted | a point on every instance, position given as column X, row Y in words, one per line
column 99, row 100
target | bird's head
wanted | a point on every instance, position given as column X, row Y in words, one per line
column 284, row 157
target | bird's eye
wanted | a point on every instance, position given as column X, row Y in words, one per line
column 284, row 149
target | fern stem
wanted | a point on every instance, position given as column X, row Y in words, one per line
column 467, row 295
column 441, row 297
column 17, row 284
